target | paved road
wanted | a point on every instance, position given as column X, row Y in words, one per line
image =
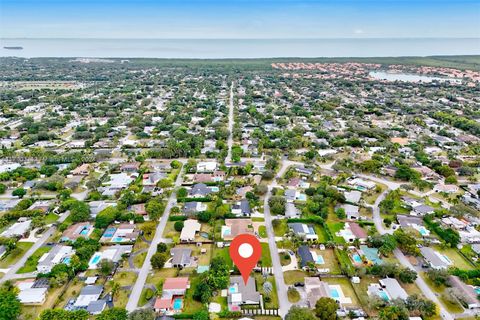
column 11, row 274
column 143, row 273
column 230, row 127
column 426, row 290
column 277, row 266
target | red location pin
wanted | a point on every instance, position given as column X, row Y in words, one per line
column 245, row 251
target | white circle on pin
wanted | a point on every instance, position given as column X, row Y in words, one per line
column 245, row 250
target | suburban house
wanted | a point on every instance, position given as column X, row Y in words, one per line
column 303, row 231
column 199, row 190
column 122, row 233
column 150, row 180
column 306, row 257
column 75, row 231
column 361, row 184
column 291, row 210
column 181, row 257
column 89, row 299
column 351, row 232
column 422, row 210
column 190, row 229
column 468, row 294
column 130, row 167
column 234, row 227
column 18, row 229
column 387, row 289
column 315, row 289
column 43, row 206
column 446, row 188
column 173, row 291
column 413, row 222
column 112, row 253
column 240, row 293
column 206, row 166
column 352, row 212
column 97, row 206
column 241, row 208
column 58, row 254
column 353, row 196
column 30, row 293
column 435, row 259
column 81, row 170
column 193, row 207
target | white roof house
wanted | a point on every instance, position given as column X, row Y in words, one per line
column 8, row 167
column 190, row 228
column 58, row 254
column 363, row 184
column 395, row 291
column 206, row 166
column 18, row 229
column 29, row 295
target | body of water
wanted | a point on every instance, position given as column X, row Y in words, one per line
column 237, row 48
column 408, row 77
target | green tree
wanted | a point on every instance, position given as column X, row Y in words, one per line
column 105, row 267
column 3, row 188
column 158, row 260
column 105, row 217
column 9, row 304
column 154, row 208
column 19, row 192
column 182, row 193
column 142, row 314
column 113, row 314
column 60, row 314
column 393, row 313
column 298, row 313
column 326, row 309
column 201, row 315
column 178, row 226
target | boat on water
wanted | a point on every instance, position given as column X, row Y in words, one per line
column 13, row 48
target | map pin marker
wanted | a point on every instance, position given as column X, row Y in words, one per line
column 245, row 251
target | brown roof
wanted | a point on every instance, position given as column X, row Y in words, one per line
column 238, row 226
column 162, row 303
column 176, row 283
column 357, row 230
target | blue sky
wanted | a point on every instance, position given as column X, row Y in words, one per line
column 239, row 18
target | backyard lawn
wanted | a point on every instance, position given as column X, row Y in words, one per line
column 190, row 305
column 334, row 227
column 330, row 260
column 281, row 228
column 262, row 231
column 347, row 289
column 458, row 260
column 273, row 303
column 125, row 278
column 293, row 276
column 32, row 262
column 15, row 254
column 224, row 253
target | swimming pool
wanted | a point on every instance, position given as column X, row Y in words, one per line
column 334, row 293
column 356, row 258
column 320, row 260
column 226, row 231
column 215, row 189
column 383, row 295
column 118, row 239
column 67, row 260
column 84, row 231
column 177, row 304
column 109, row 233
column 232, row 290
column 95, row 259
column 423, row 231
column 204, row 235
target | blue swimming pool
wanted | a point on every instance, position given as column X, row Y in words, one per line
column 383, row 295
column 320, row 260
column 423, row 231
column 67, row 260
column 118, row 239
column 232, row 289
column 334, row 293
column 109, row 232
column 215, row 189
column 356, row 258
column 95, row 259
column 84, row 231
column 177, row 304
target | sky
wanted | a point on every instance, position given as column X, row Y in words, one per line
column 245, row 19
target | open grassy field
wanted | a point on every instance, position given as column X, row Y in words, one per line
column 293, row 276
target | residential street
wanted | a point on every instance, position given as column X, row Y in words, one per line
column 143, row 273
column 39, row 243
column 230, row 127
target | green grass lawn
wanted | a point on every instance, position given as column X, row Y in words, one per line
column 224, row 253
column 334, row 227
column 125, row 278
column 262, row 231
column 266, row 257
column 191, row 306
column 32, row 261
column 293, row 276
column 51, row 218
column 293, row 295
column 330, row 260
column 139, row 259
column 320, row 231
column 347, row 289
column 281, row 228
column 157, row 278
column 451, row 307
column 458, row 260
column 273, row 298
column 15, row 254
column 284, row 258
